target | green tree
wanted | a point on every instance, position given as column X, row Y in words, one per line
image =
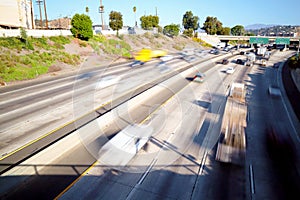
column 238, row 30
column 212, row 26
column 149, row 22
column 171, row 30
column 82, row 26
column 189, row 21
column 115, row 21
column 225, row 31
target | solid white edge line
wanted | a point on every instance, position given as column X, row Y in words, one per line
column 251, row 179
column 203, row 163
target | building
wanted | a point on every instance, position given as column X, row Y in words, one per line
column 16, row 13
column 60, row 23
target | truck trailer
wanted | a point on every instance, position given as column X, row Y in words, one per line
column 232, row 142
column 250, row 59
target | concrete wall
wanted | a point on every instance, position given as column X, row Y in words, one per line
column 34, row 33
column 48, row 33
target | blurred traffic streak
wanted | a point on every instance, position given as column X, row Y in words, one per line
column 280, row 145
column 284, row 157
column 146, row 55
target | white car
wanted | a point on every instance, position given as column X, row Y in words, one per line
column 229, row 70
column 108, row 81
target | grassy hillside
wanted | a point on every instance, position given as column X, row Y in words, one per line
column 27, row 58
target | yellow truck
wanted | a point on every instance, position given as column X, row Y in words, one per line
column 146, row 55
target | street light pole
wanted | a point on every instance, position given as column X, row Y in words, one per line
column 46, row 16
column 101, row 10
column 41, row 18
column 298, row 49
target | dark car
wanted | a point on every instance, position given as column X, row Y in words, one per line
column 276, row 65
column 242, row 53
column 131, row 30
column 239, row 61
column 225, row 61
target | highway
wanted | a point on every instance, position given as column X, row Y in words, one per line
column 177, row 162
column 174, row 163
column 38, row 111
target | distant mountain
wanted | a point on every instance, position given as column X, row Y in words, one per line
column 258, row 26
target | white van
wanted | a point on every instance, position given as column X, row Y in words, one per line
column 221, row 45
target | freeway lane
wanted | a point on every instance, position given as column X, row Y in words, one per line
column 39, row 117
column 68, row 152
column 73, row 170
column 37, row 144
column 61, row 161
column 271, row 179
column 168, row 166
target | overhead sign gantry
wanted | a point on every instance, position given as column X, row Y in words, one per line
column 258, row 40
column 282, row 41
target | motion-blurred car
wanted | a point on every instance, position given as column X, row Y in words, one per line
column 131, row 30
column 108, row 81
column 280, row 145
column 276, row 65
column 225, row 61
column 227, row 48
column 215, row 51
column 199, row 77
column 239, row 61
column 274, row 91
column 263, row 62
column 146, row 55
column 158, row 53
column 230, row 70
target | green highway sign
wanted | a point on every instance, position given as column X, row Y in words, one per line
column 282, row 41
column 259, row 40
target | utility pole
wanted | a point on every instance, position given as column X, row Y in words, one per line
column 46, row 17
column 298, row 49
column 101, row 11
column 41, row 19
column 31, row 12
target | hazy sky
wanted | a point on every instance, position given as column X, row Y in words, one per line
column 229, row 12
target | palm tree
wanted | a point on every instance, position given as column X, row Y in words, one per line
column 134, row 10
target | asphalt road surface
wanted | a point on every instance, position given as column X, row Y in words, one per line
column 178, row 160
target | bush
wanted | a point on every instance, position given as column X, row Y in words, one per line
column 171, row 30
column 24, row 39
column 82, row 26
column 99, row 38
column 12, row 43
column 60, row 40
column 188, row 32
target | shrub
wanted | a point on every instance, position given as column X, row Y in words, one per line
column 60, row 39
column 82, row 27
column 188, row 32
column 171, row 30
column 12, row 43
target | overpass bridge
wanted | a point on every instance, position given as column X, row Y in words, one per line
column 227, row 38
